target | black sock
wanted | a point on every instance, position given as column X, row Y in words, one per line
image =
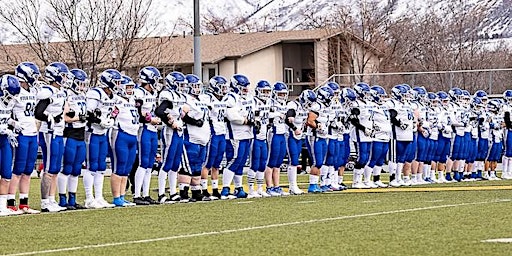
column 11, row 202
column 376, row 178
column 24, row 201
column 392, row 177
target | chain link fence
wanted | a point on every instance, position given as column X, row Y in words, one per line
column 493, row 81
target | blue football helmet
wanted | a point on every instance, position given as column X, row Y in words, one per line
column 79, row 81
column 362, row 90
column 507, row 96
column 443, row 97
column 420, row 93
column 306, row 98
column 175, row 81
column 57, row 72
column 194, row 84
column 240, row 84
column 335, row 88
column 263, row 90
column 476, row 103
column 27, row 72
column 399, row 92
column 455, row 93
column 110, row 78
column 9, row 85
column 378, row 93
column 493, row 106
column 324, row 94
column 433, row 100
column 280, row 92
column 125, row 87
column 348, row 94
column 150, row 75
column 218, row 86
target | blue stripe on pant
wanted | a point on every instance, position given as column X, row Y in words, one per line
column 294, row 149
column 363, row 154
column 53, row 150
column 259, row 155
column 196, row 155
column 148, row 145
column 5, row 158
column 25, row 155
column 277, row 150
column 332, row 152
column 74, row 156
column 483, row 149
column 379, row 152
column 125, row 150
column 241, row 150
column 97, row 150
column 217, row 147
column 317, row 148
column 173, row 149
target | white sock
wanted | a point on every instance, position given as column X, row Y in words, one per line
column 88, row 182
column 340, row 179
column 324, row 171
column 292, row 175
column 62, row 182
column 399, row 168
column 98, row 185
column 215, row 184
column 238, row 179
column 251, row 179
column 204, row 184
column 392, row 168
column 440, row 174
column 162, row 178
column 367, row 172
column 377, row 170
column 227, row 177
column 72, row 184
column 334, row 181
column 147, row 182
column 504, row 161
column 313, row 179
column 260, row 179
column 509, row 165
column 3, row 202
column 173, row 182
column 427, row 170
column 139, row 179
column 330, row 175
column 414, row 176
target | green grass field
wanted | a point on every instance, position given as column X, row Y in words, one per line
column 399, row 222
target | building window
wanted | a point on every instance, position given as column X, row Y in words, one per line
column 211, row 73
column 288, row 75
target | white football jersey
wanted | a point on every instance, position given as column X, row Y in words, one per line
column 77, row 103
column 460, row 120
column 263, row 108
column 366, row 111
column 483, row 127
column 301, row 115
column 127, row 119
column 5, row 113
column 497, row 130
column 217, row 114
column 406, row 116
column 335, row 120
column 445, row 122
column 199, row 111
column 322, row 120
column 240, row 108
column 383, row 121
column 97, row 98
column 433, row 122
column 178, row 100
column 58, row 98
column 278, row 114
column 148, row 104
column 23, row 111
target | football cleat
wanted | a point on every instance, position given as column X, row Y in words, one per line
column 118, row 202
column 58, row 206
column 394, row 183
column 104, row 203
column 314, row 188
column 224, row 194
column 49, row 207
column 407, row 183
column 273, row 192
column 215, row 194
column 79, row 207
column 360, row 185
column 295, row 190
column 370, row 184
column 14, row 210
column 281, row 191
column 173, row 199
column 325, row 188
column 263, row 193
column 93, row 204
column 240, row 193
column 254, row 194
column 26, row 209
column 140, row 201
column 150, row 200
column 380, row 184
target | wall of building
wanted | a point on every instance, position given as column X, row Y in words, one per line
column 265, row 64
column 321, row 61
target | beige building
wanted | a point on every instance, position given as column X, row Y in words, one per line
column 300, row 58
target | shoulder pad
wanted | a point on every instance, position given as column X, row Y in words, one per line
column 44, row 93
column 94, row 94
column 139, row 93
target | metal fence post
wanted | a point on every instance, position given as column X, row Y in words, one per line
column 490, row 82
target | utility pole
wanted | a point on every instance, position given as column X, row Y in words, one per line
column 197, row 41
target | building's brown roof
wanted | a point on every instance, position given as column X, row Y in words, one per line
column 178, row 50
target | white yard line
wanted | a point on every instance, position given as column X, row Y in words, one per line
column 306, row 202
column 498, row 240
column 229, row 231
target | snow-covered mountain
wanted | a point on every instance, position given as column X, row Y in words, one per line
column 175, row 16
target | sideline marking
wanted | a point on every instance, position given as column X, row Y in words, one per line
column 244, row 202
column 371, row 201
column 498, row 240
column 306, row 202
column 229, row 231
